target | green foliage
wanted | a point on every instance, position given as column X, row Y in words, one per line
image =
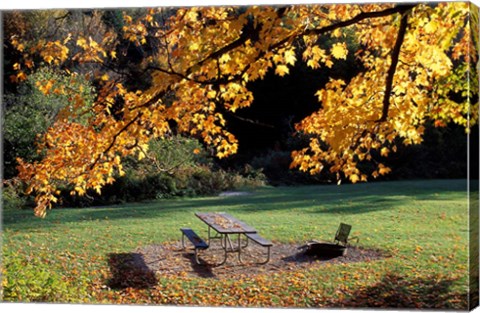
column 275, row 164
column 442, row 154
column 173, row 154
column 177, row 166
column 204, row 181
column 173, row 167
column 28, row 279
column 29, row 112
column 12, row 195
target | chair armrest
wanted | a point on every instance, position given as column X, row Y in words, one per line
column 354, row 238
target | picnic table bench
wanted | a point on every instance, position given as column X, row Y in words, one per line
column 261, row 241
column 198, row 243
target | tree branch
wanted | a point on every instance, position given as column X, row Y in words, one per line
column 402, row 8
column 393, row 66
column 360, row 17
column 114, row 139
column 250, row 32
column 247, row 120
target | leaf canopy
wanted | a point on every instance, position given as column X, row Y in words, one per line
column 195, row 64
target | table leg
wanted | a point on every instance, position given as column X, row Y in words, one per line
column 229, row 242
column 224, row 245
column 246, row 242
column 268, row 257
column 240, row 248
column 208, row 235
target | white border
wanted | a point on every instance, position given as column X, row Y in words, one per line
column 74, row 308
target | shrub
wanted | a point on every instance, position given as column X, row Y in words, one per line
column 12, row 195
column 32, row 280
column 275, row 165
column 29, row 112
column 174, row 167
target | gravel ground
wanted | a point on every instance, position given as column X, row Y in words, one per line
column 170, row 259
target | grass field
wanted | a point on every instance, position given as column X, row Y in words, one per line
column 423, row 225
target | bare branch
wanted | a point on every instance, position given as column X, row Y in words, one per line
column 114, row 139
column 250, row 32
column 393, row 66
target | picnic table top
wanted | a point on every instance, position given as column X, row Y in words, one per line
column 224, row 223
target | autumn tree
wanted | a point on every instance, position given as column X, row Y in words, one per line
column 418, row 65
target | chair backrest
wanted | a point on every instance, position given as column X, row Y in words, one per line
column 342, row 233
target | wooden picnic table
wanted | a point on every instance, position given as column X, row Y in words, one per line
column 226, row 225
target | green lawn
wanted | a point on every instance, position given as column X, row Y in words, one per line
column 422, row 224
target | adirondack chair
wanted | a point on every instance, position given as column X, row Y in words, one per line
column 343, row 231
column 331, row 249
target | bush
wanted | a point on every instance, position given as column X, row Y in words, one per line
column 29, row 112
column 442, row 154
column 204, row 180
column 174, row 167
column 275, row 165
column 12, row 195
column 32, row 280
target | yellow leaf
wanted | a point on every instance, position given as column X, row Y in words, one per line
column 354, row 178
column 290, row 57
column 211, row 94
column 127, row 18
column 194, row 46
column 80, row 190
column 225, row 58
column 384, row 151
column 21, row 76
column 20, row 47
column 313, row 64
column 337, row 33
column 192, row 15
column 82, row 42
column 339, row 51
column 431, row 27
column 382, row 169
column 48, row 59
column 281, row 70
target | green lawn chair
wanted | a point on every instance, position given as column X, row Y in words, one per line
column 341, row 237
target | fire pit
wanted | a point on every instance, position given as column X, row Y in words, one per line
column 323, row 249
column 333, row 249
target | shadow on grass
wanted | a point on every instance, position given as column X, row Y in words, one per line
column 203, row 270
column 345, row 199
column 394, row 291
column 129, row 270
